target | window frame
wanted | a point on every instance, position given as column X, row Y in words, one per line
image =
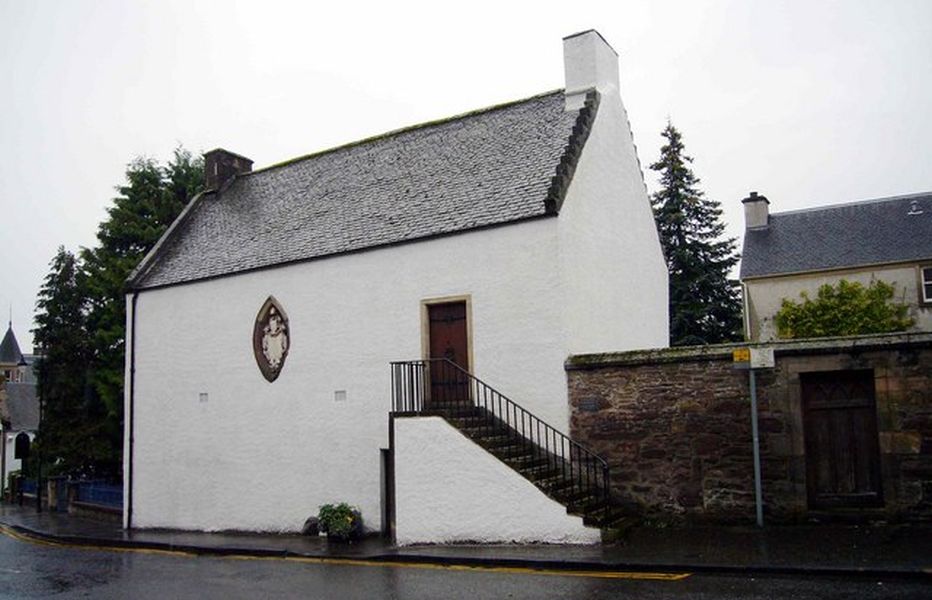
column 925, row 279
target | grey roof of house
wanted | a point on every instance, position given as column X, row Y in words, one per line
column 873, row 232
column 499, row 165
column 22, row 406
column 9, row 348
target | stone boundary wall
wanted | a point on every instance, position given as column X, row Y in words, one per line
column 675, row 426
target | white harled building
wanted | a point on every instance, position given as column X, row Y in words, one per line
column 261, row 328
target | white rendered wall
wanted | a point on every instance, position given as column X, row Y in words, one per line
column 263, row 456
column 610, row 256
column 448, row 489
column 763, row 297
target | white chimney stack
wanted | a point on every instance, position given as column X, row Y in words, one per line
column 756, row 211
column 589, row 63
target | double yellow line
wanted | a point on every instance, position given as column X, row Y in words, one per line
column 353, row 562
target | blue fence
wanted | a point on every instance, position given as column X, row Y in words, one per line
column 28, row 486
column 95, row 492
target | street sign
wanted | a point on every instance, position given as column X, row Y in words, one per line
column 762, row 358
column 741, row 358
column 752, row 358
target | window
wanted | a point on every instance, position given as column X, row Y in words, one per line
column 925, row 275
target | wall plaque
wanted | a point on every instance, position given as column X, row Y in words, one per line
column 271, row 339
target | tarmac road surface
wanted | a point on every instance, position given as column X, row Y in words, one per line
column 31, row 569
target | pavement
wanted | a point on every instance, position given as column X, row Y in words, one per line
column 879, row 550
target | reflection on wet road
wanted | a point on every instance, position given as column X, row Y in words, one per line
column 29, row 569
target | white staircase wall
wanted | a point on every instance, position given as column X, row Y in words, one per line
column 449, row 489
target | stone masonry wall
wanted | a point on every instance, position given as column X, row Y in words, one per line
column 675, row 426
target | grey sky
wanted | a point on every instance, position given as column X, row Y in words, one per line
column 809, row 103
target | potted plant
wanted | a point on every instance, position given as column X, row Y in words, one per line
column 341, row 522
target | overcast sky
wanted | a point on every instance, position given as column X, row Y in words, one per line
column 809, row 103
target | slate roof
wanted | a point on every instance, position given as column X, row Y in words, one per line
column 872, row 232
column 9, row 348
column 504, row 164
column 22, row 406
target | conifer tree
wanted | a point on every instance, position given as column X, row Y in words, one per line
column 705, row 307
column 69, row 433
column 150, row 200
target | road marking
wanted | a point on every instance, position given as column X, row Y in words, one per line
column 358, row 562
column 446, row 567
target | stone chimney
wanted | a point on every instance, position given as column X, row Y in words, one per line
column 756, row 212
column 589, row 63
column 220, row 165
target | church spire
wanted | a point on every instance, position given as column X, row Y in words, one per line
column 9, row 347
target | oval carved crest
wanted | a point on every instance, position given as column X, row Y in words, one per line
column 271, row 339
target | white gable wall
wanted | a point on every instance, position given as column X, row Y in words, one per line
column 610, row 256
column 263, row 456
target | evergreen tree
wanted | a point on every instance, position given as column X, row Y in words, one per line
column 148, row 203
column 69, row 432
column 705, row 307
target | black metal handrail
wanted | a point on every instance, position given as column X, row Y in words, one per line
column 441, row 387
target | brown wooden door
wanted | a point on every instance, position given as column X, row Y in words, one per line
column 842, row 446
column 448, row 339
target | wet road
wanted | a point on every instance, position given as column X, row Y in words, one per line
column 32, row 570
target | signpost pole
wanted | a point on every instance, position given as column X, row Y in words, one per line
column 758, row 496
column 752, row 359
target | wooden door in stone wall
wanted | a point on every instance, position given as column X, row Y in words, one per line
column 448, row 339
column 841, row 441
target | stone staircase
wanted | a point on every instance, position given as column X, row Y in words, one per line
column 550, row 473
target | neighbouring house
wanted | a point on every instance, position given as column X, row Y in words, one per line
column 888, row 239
column 19, row 422
column 19, row 405
column 492, row 245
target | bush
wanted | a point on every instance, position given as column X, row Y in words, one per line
column 340, row 521
column 847, row 308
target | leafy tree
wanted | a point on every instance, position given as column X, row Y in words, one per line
column 705, row 306
column 148, row 202
column 847, row 308
column 69, row 434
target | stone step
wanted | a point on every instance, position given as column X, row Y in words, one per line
column 454, row 410
column 528, row 460
column 508, row 439
column 613, row 522
column 510, row 450
column 585, row 504
column 543, row 472
column 598, row 516
column 465, row 422
column 481, row 431
column 557, row 487
column 493, row 442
